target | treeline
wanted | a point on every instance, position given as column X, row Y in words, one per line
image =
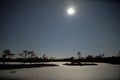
column 25, row 57
column 30, row 57
column 90, row 58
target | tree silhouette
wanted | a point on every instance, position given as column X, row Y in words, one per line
column 44, row 57
column 25, row 52
column 79, row 55
column 32, row 55
column 24, row 55
column 72, row 60
column 6, row 53
column 103, row 55
column 89, row 58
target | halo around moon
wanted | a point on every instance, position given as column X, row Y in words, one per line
column 70, row 11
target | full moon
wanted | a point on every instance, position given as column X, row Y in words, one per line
column 70, row 11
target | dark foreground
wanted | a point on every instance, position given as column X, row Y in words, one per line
column 83, row 64
column 19, row 66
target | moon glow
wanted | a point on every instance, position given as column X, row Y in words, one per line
column 70, row 11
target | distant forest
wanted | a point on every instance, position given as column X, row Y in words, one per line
column 30, row 57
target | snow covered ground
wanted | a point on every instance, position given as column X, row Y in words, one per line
column 62, row 72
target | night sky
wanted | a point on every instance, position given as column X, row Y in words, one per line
column 45, row 27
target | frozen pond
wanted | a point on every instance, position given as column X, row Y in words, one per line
column 62, row 72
